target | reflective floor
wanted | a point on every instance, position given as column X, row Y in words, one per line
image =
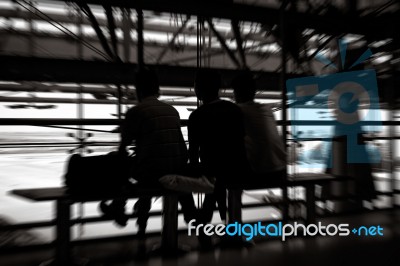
column 345, row 250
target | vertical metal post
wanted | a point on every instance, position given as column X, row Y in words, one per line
column 395, row 186
column 203, row 41
column 126, row 22
column 209, row 48
column 197, row 43
column 392, row 146
column 234, row 205
column 169, row 235
column 81, row 109
column 285, row 211
column 31, row 41
column 310, row 203
column 198, row 61
column 283, row 71
column 80, row 88
column 126, row 28
column 63, row 233
column 140, row 46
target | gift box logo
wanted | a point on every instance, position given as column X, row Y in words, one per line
column 342, row 105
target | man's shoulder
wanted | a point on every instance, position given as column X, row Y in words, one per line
column 166, row 108
column 194, row 114
column 222, row 106
column 255, row 105
column 151, row 108
column 230, row 107
column 132, row 110
column 260, row 110
column 153, row 103
column 226, row 103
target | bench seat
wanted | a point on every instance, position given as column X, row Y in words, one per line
column 64, row 201
column 306, row 180
column 62, row 193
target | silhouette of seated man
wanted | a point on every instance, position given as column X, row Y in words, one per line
column 264, row 146
column 160, row 149
column 216, row 141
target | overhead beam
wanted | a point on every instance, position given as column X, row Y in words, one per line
column 90, row 90
column 111, row 28
column 127, row 24
column 16, row 68
column 53, row 88
column 140, row 38
column 84, row 101
column 172, row 41
column 64, row 18
column 93, row 40
column 103, row 40
column 222, row 41
column 331, row 23
column 239, row 42
column 57, row 121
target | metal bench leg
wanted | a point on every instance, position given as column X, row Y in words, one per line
column 285, row 205
column 63, row 238
column 63, row 233
column 235, row 205
column 310, row 203
column 169, row 235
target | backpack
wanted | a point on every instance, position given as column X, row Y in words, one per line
column 97, row 175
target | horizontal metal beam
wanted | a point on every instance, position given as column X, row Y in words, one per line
column 64, row 18
column 329, row 23
column 63, row 122
column 15, row 68
column 114, row 122
column 54, row 88
column 71, row 89
column 57, row 121
column 222, row 93
column 84, row 101
column 41, row 37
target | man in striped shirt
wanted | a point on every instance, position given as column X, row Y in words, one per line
column 154, row 128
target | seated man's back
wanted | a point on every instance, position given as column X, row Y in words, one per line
column 216, row 140
column 160, row 147
column 217, row 130
column 264, row 146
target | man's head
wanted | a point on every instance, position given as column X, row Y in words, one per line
column 244, row 87
column 146, row 84
column 207, row 84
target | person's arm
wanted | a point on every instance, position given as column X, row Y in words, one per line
column 128, row 130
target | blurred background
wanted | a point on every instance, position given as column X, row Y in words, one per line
column 67, row 75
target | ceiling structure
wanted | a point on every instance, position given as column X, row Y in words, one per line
column 45, row 46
